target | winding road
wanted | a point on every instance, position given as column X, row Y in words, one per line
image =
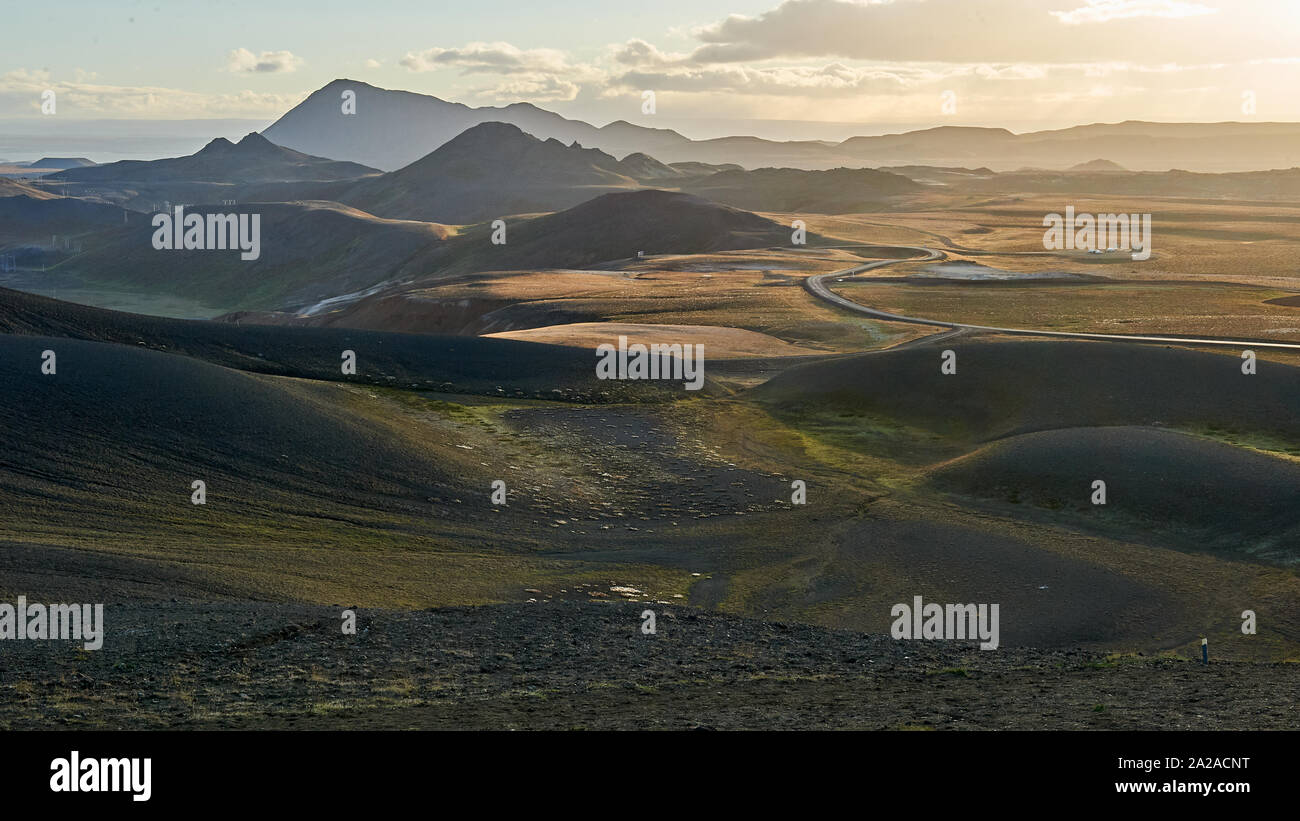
column 816, row 285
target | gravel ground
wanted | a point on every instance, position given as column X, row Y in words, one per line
column 569, row 664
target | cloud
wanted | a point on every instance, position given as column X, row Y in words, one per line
column 1018, row 87
column 1104, row 11
column 20, row 92
column 641, row 53
column 543, row 88
column 965, row 31
column 486, row 58
column 372, row 63
column 1010, row 54
column 243, row 61
column 541, row 75
column 830, row 80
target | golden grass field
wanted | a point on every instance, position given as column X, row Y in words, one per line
column 1203, row 252
column 1214, row 310
column 758, row 292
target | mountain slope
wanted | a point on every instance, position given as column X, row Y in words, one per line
column 598, row 234
column 644, row 167
column 491, row 170
column 1077, row 384
column 450, row 364
column 837, row 191
column 1044, row 470
column 36, row 217
column 309, row 251
column 14, row 188
column 252, row 159
column 617, row 226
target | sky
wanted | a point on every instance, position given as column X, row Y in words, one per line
column 822, row 69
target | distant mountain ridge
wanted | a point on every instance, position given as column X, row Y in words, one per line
column 61, row 162
column 1099, row 165
column 392, row 129
column 489, row 171
column 252, row 159
column 834, row 191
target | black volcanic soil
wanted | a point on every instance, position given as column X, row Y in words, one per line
column 1202, row 493
column 339, row 491
column 1011, row 387
column 567, row 665
column 144, row 421
column 449, row 364
column 1046, row 600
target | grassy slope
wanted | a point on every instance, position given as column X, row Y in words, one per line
column 882, row 422
column 644, row 495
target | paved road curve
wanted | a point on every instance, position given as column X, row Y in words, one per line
column 816, row 285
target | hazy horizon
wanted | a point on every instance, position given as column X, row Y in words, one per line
column 778, row 69
column 109, row 139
